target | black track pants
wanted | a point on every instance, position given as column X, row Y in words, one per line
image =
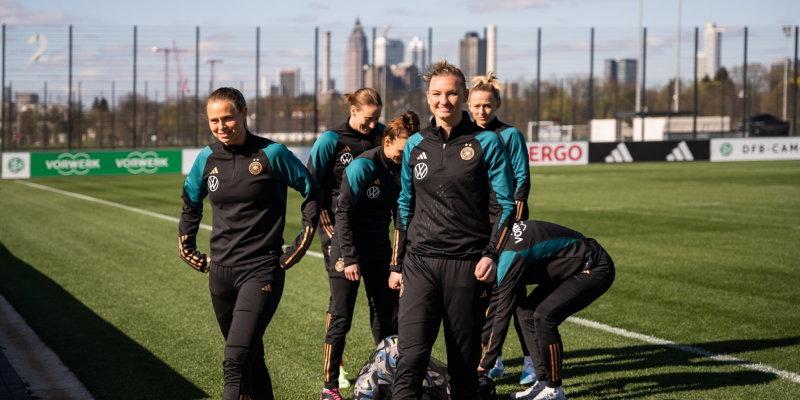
column 382, row 311
column 519, row 294
column 549, row 305
column 245, row 299
column 435, row 290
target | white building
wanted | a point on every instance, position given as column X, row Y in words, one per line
column 289, row 81
column 710, row 58
column 415, row 53
column 388, row 51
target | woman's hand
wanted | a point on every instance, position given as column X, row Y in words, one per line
column 353, row 272
column 395, row 280
column 485, row 270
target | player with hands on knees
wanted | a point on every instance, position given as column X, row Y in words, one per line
column 246, row 179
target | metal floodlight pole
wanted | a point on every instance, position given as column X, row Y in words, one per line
column 694, row 107
column 538, row 80
column 258, row 65
column 45, row 116
column 374, row 67
column 196, row 85
column 430, row 46
column 639, row 62
column 643, row 107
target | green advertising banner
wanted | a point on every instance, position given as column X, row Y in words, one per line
column 105, row 163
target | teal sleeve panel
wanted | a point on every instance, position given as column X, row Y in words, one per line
column 359, row 174
column 381, row 127
column 503, row 264
column 501, row 181
column 406, row 183
column 289, row 171
column 405, row 205
column 194, row 185
column 322, row 153
column 518, row 155
column 545, row 249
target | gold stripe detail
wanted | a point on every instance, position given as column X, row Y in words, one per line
column 394, row 248
column 326, row 222
column 301, row 250
column 488, row 346
column 519, row 210
column 503, row 237
column 552, row 364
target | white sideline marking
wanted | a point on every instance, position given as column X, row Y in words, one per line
column 580, row 321
column 127, row 208
column 688, row 349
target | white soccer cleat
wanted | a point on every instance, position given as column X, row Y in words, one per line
column 531, row 392
column 551, row 394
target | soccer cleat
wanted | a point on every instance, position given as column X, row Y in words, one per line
column 551, row 394
column 330, row 394
column 530, row 392
column 528, row 373
column 498, row 370
column 344, row 383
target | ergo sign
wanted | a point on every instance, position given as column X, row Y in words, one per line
column 558, row 153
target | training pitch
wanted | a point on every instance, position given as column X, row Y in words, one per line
column 707, row 257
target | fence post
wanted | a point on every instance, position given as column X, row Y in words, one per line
column 134, row 87
column 538, row 80
column 590, row 107
column 744, row 85
column 45, row 116
column 69, row 95
column 113, row 112
column 3, row 96
column 794, row 87
column 196, row 85
column 316, row 79
column 643, row 107
column 258, row 65
column 694, row 107
column 374, row 68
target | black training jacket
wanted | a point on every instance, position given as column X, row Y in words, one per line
column 247, row 188
column 443, row 209
column 537, row 252
column 367, row 200
column 517, row 151
column 332, row 152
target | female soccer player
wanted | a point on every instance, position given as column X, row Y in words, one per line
column 336, row 149
column 449, row 171
column 484, row 101
column 245, row 178
column 361, row 246
column 571, row 271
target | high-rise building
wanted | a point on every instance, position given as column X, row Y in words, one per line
column 709, row 59
column 610, row 73
column 289, row 81
column 415, row 53
column 626, row 71
column 388, row 51
column 354, row 59
column 491, row 48
column 326, row 86
column 472, row 55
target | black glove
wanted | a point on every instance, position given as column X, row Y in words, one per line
column 486, row 388
column 188, row 252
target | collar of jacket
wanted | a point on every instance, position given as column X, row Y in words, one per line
column 464, row 127
column 387, row 163
column 348, row 130
column 249, row 140
column 496, row 126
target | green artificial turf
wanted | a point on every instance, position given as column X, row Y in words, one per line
column 706, row 255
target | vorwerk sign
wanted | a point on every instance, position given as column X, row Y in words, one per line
column 73, row 164
column 148, row 162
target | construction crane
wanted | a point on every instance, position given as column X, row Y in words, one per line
column 166, row 52
column 212, row 61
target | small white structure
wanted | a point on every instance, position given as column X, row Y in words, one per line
column 655, row 127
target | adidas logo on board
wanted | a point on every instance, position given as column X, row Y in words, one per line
column 619, row 154
column 681, row 153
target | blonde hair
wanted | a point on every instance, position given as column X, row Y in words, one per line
column 364, row 97
column 232, row 95
column 443, row 68
column 486, row 83
column 405, row 125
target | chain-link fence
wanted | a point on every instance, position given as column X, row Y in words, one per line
column 82, row 87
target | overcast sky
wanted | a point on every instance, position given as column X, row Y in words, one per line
column 520, row 13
